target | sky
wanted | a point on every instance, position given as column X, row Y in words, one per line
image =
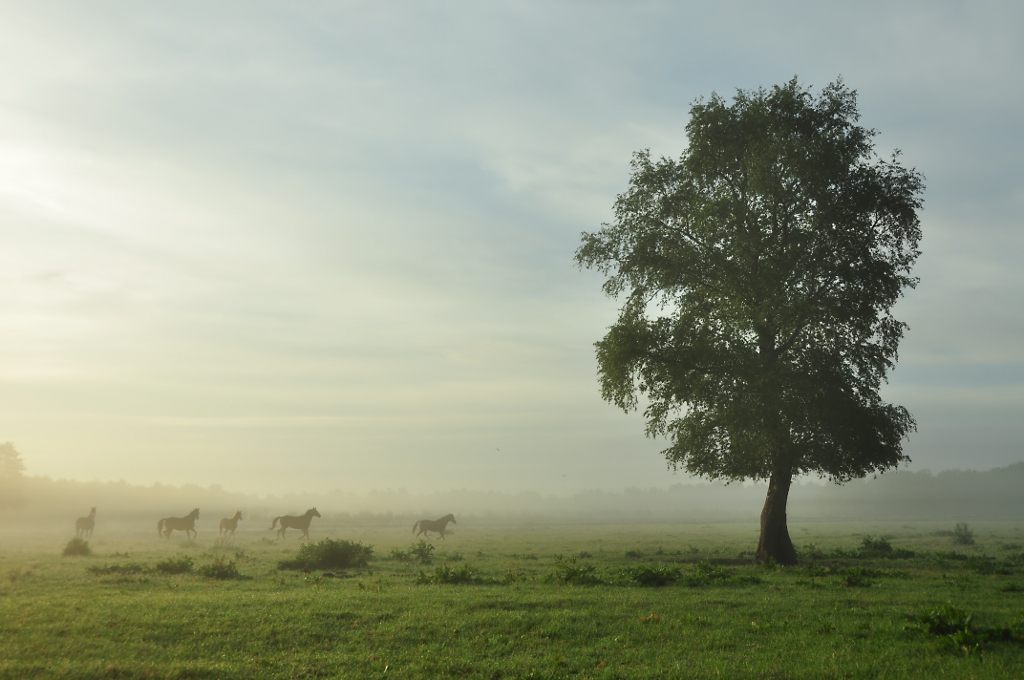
column 328, row 245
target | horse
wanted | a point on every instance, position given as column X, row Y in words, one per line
column 187, row 524
column 293, row 522
column 229, row 524
column 437, row 525
column 84, row 525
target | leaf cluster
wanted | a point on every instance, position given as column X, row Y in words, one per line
column 758, row 272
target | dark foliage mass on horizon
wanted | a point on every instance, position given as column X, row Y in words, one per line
column 955, row 496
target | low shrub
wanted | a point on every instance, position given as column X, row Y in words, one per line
column 875, row 545
column 220, row 569
column 963, row 535
column 515, row 576
column 182, row 564
column 76, row 547
column 653, row 576
column 443, row 574
column 856, row 577
column 634, row 554
column 569, row 573
column 330, row 554
column 399, row 555
column 120, row 569
column 945, row 620
column 422, row 551
column 705, row 573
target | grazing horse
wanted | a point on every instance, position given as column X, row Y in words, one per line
column 187, row 524
column 292, row 522
column 229, row 524
column 437, row 525
column 84, row 525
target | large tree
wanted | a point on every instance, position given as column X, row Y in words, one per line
column 758, row 273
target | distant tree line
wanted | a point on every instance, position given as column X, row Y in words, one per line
column 957, row 495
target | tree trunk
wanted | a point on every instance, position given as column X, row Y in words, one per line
column 775, row 543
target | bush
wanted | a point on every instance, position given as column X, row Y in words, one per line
column 220, row 569
column 124, row 569
column 634, row 554
column 652, row 576
column 182, row 564
column 875, row 545
column 963, row 535
column 400, row 555
column 330, row 554
column 422, row 551
column 567, row 572
column 516, row 576
column 706, row 573
column 443, row 574
column 880, row 547
column 76, row 547
column 856, row 577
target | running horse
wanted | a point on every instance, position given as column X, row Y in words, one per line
column 84, row 525
column 229, row 524
column 437, row 525
column 187, row 524
column 292, row 522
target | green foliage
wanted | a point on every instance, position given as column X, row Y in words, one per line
column 945, row 620
column 880, row 548
column 569, row 573
column 281, row 624
column 119, row 569
column 877, row 546
column 857, row 577
column 956, row 628
column 330, row 554
column 634, row 554
column 182, row 564
column 77, row 547
column 220, row 569
column 705, row 573
column 758, row 274
column 963, row 535
column 399, row 555
column 516, row 575
column 422, row 551
column 443, row 574
column 651, row 575
column 776, row 246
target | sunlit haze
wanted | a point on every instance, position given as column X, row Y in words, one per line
column 314, row 246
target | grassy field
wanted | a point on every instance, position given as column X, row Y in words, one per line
column 501, row 602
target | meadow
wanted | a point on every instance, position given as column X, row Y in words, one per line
column 869, row 600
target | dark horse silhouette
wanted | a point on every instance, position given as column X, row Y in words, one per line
column 187, row 524
column 229, row 524
column 85, row 525
column 292, row 522
column 437, row 525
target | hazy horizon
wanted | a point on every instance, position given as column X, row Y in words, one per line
column 330, row 246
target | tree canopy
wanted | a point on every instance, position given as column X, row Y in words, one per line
column 758, row 273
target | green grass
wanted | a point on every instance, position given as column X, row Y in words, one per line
column 560, row 602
